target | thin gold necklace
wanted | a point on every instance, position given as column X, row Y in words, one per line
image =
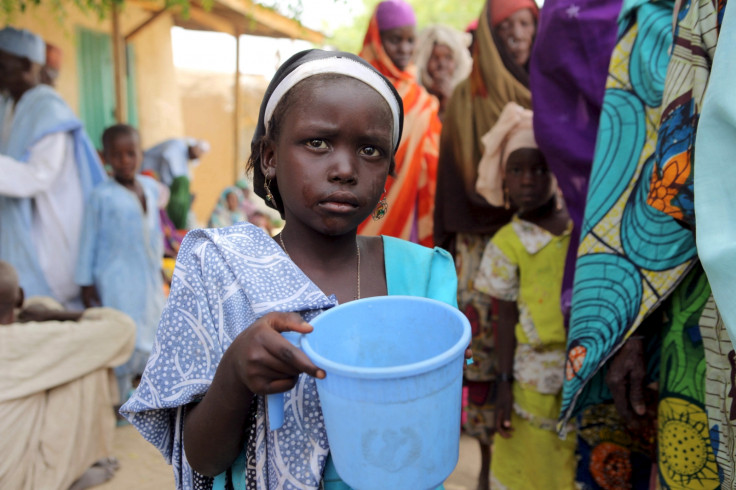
column 357, row 254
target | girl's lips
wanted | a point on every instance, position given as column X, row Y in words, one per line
column 337, row 206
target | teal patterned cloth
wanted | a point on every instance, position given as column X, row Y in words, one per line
column 631, row 256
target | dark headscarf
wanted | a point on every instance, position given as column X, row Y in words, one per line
column 474, row 108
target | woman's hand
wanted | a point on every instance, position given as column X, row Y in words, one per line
column 468, row 357
column 504, row 406
column 268, row 363
column 625, row 378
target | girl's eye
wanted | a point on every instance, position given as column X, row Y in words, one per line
column 317, row 144
column 370, row 151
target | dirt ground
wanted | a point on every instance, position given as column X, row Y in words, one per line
column 143, row 468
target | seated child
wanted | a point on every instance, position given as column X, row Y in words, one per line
column 121, row 247
column 522, row 266
column 324, row 146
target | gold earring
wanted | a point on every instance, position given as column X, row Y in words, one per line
column 506, row 203
column 381, row 208
column 269, row 196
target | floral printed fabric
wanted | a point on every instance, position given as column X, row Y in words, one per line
column 540, row 370
column 538, row 365
column 498, row 275
column 631, row 257
column 696, row 37
column 525, row 263
column 478, row 307
column 481, row 311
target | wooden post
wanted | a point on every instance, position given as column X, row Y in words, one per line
column 145, row 24
column 236, row 117
column 120, row 68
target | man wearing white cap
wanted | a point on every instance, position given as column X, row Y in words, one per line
column 47, row 166
column 170, row 160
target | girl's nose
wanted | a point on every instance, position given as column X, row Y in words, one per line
column 527, row 177
column 343, row 167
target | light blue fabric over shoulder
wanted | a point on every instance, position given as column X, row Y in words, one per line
column 715, row 176
column 414, row 270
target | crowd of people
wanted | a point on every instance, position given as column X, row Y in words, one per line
column 536, row 171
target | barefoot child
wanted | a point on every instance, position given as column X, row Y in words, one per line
column 522, row 267
column 328, row 130
column 121, row 247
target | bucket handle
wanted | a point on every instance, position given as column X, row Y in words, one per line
column 275, row 401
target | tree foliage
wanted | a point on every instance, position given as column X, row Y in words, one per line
column 454, row 13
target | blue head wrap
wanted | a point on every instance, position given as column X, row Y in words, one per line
column 24, row 44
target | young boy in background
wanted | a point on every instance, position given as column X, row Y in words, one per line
column 121, row 247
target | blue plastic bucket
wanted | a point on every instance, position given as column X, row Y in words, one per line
column 392, row 396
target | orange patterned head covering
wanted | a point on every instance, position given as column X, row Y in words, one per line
column 502, row 10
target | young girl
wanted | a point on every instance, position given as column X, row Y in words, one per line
column 328, row 130
column 522, row 266
column 121, row 247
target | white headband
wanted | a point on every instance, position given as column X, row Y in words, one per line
column 340, row 66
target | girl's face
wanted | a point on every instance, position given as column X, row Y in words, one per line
column 124, row 156
column 517, row 34
column 332, row 154
column 399, row 45
column 528, row 180
column 441, row 63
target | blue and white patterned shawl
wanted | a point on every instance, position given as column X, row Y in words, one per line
column 224, row 280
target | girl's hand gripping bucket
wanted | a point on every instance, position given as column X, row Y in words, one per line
column 392, row 396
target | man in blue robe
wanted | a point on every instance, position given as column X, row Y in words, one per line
column 48, row 166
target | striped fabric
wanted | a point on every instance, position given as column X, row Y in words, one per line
column 696, row 36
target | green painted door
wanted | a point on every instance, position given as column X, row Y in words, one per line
column 97, row 83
